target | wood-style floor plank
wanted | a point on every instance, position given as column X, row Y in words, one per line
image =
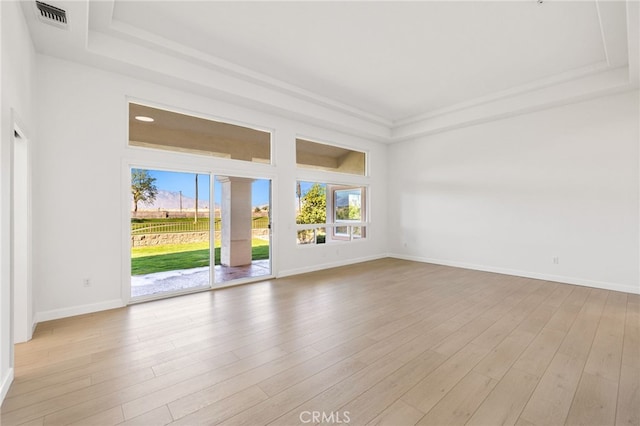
column 158, row 417
column 504, row 403
column 430, row 390
column 594, row 402
column 397, row 413
column 628, row 409
column 387, row 342
column 383, row 394
column 457, row 407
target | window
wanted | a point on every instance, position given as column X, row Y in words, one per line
column 313, row 155
column 347, row 209
column 330, row 212
column 160, row 129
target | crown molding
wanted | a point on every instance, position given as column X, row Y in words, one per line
column 190, row 69
column 618, row 72
column 633, row 41
column 109, row 27
column 614, row 36
column 509, row 93
column 590, row 86
column 131, row 59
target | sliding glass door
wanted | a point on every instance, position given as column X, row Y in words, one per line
column 183, row 242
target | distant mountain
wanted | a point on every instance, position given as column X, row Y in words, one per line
column 169, row 200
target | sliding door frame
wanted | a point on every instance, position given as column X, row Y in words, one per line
column 177, row 162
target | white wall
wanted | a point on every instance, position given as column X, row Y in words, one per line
column 17, row 100
column 81, row 181
column 510, row 195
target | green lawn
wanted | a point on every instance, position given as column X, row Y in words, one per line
column 170, row 248
column 146, row 260
column 170, row 219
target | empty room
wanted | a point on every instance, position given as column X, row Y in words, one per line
column 320, row 212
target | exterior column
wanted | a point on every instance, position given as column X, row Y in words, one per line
column 236, row 221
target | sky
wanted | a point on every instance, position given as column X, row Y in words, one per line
column 304, row 186
column 185, row 182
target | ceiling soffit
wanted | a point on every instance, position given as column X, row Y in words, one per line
column 100, row 38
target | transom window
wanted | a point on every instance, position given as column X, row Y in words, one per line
column 319, row 156
column 161, row 129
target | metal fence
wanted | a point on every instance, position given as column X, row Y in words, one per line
column 187, row 226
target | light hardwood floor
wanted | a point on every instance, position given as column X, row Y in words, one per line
column 385, row 342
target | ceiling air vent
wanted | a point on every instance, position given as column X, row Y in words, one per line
column 52, row 15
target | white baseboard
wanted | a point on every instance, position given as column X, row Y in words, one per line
column 6, row 384
column 78, row 310
column 527, row 274
column 329, row 265
column 118, row 303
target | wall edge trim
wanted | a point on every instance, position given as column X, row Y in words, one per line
column 6, row 384
column 298, row 271
column 78, row 310
column 526, row 274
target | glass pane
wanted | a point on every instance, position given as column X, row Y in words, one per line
column 348, row 205
column 306, row 236
column 169, row 232
column 342, row 231
column 313, row 155
column 311, row 203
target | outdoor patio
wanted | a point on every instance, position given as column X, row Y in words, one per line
column 185, row 279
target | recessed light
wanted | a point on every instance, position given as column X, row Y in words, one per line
column 145, row 119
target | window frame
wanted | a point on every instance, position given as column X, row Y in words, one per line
column 329, row 227
column 349, row 223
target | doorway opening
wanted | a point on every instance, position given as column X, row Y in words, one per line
column 243, row 232
column 20, row 240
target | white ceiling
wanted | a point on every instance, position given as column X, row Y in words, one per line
column 388, row 67
column 395, row 60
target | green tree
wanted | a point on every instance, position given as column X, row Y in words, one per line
column 313, row 208
column 354, row 212
column 143, row 187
